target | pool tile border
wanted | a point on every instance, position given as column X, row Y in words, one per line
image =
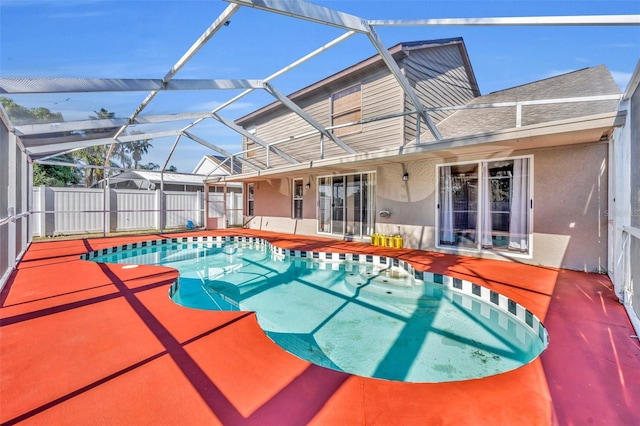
column 469, row 288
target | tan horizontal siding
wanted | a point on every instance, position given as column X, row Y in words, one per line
column 381, row 95
column 439, row 78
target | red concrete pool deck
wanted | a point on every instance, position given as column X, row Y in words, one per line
column 83, row 343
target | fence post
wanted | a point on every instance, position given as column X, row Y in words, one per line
column 106, row 215
column 199, row 205
column 12, row 197
column 159, row 211
column 42, row 207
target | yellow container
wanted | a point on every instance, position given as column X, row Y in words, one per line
column 388, row 240
column 374, row 239
column 397, row 241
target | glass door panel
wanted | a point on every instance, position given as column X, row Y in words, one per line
column 352, row 210
column 324, row 204
column 337, row 205
column 458, row 208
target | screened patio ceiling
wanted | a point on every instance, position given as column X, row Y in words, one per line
column 44, row 142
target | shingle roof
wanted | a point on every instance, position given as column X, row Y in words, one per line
column 592, row 81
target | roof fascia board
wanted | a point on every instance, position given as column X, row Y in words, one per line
column 469, row 69
column 254, row 138
column 295, row 108
column 308, row 11
column 523, row 20
column 218, row 149
column 402, row 80
column 12, row 85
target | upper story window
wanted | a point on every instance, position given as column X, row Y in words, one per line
column 251, row 145
column 251, row 149
column 346, row 107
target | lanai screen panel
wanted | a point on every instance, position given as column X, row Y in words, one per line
column 4, row 199
column 634, row 254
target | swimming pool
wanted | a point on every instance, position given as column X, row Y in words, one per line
column 367, row 315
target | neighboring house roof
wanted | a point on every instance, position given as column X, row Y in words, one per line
column 592, row 81
column 209, row 164
column 362, row 68
column 155, row 177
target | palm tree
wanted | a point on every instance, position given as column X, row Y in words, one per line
column 95, row 155
column 138, row 148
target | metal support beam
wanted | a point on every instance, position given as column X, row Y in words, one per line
column 17, row 86
column 305, row 116
column 66, row 146
column 67, row 126
column 221, row 21
column 254, row 138
column 280, row 72
column 323, row 15
column 173, row 148
column 514, row 21
column 402, row 80
column 308, row 11
column 218, row 149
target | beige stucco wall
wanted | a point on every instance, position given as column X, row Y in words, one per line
column 570, row 205
column 273, row 207
column 569, row 215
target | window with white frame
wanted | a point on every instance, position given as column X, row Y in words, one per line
column 346, row 107
column 251, row 144
column 297, row 193
column 486, row 205
column 250, row 199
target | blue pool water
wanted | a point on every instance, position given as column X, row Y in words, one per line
column 365, row 319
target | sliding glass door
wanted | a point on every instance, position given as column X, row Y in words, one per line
column 345, row 204
column 485, row 205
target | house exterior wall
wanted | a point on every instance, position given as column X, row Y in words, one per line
column 569, row 215
column 439, row 77
column 438, row 74
column 273, row 208
column 381, row 95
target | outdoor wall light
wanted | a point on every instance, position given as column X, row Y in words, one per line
column 308, row 186
column 405, row 177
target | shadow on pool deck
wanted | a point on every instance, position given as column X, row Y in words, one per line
column 86, row 343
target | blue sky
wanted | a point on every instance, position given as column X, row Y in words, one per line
column 143, row 39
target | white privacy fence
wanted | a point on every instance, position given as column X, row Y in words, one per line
column 72, row 211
